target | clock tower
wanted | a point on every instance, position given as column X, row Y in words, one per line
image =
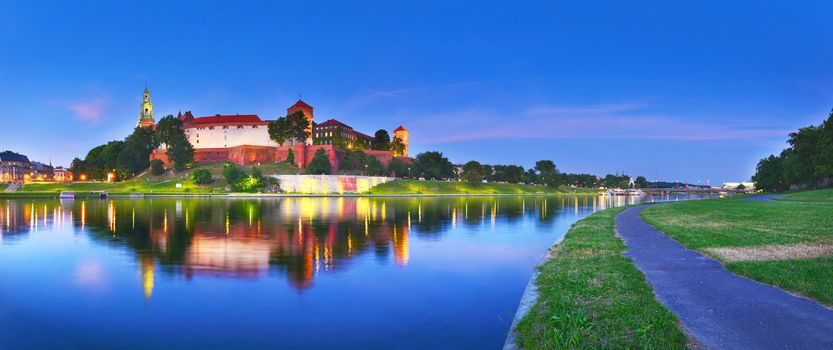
column 146, row 113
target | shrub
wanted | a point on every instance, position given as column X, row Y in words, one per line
column 290, row 157
column 202, row 177
column 320, row 164
column 157, row 167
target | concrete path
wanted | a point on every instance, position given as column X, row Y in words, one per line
column 12, row 188
column 721, row 310
column 762, row 198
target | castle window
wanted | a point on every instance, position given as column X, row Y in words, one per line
column 225, row 127
column 210, row 128
column 254, row 126
column 240, row 126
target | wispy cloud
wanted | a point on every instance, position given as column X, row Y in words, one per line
column 89, row 110
column 632, row 121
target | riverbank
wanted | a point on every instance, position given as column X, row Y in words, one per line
column 186, row 188
column 786, row 243
column 592, row 296
column 458, row 187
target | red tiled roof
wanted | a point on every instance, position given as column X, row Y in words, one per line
column 217, row 119
column 330, row 122
column 400, row 128
column 364, row 135
column 300, row 103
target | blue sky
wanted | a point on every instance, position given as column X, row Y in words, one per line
column 681, row 91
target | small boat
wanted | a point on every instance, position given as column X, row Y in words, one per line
column 102, row 194
column 67, row 195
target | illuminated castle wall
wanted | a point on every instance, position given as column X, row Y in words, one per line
column 244, row 139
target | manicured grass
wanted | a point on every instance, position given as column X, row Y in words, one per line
column 811, row 277
column 739, row 223
column 591, row 296
column 447, row 187
column 825, row 195
column 3, row 187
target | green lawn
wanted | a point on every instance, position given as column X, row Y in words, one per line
column 809, row 196
column 738, row 223
column 591, row 296
column 445, row 187
column 3, row 187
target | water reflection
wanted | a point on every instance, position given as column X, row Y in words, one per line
column 300, row 237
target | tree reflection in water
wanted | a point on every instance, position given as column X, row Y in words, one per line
column 298, row 237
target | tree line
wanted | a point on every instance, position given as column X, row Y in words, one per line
column 806, row 162
column 132, row 155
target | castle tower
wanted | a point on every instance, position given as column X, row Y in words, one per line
column 146, row 113
column 402, row 134
column 307, row 110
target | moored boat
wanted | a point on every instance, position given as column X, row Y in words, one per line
column 67, row 195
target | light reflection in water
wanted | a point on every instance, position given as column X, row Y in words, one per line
column 297, row 241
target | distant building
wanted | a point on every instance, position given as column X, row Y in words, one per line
column 14, row 167
column 61, row 174
column 735, row 185
column 42, row 172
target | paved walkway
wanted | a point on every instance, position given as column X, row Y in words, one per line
column 11, row 188
column 719, row 309
column 762, row 198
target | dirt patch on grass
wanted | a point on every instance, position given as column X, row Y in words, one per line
column 774, row 252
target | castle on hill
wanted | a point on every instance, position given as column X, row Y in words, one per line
column 244, row 138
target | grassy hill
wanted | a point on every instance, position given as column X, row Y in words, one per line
column 446, row 187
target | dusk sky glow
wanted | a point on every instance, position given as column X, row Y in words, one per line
column 678, row 91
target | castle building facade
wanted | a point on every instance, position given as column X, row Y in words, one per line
column 244, row 138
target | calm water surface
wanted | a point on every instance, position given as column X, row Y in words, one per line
column 305, row 273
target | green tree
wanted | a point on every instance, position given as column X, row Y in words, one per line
column 397, row 147
column 641, row 182
column 381, row 141
column 374, row 167
column 433, row 165
column 353, row 162
column 157, row 167
column 548, row 173
column 77, row 167
column 769, row 174
column 232, row 174
column 293, row 127
column 320, row 164
column 166, row 129
column 202, row 177
column 170, row 133
column 397, row 168
column 472, row 172
column 531, row 177
column 181, row 152
column 290, row 157
column 135, row 155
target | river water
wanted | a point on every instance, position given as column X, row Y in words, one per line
column 298, row 273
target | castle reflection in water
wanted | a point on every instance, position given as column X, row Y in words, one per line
column 246, row 238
